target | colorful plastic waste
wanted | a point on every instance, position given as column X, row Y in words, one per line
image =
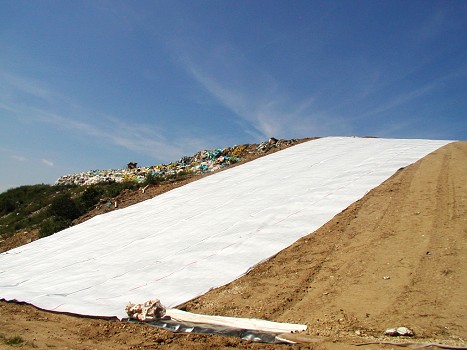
column 202, row 162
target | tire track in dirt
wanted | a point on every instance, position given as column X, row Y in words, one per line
column 436, row 294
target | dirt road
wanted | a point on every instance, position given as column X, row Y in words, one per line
column 397, row 257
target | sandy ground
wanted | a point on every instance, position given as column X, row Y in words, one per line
column 397, row 257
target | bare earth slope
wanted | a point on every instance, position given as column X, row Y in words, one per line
column 395, row 257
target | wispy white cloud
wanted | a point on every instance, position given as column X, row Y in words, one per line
column 264, row 109
column 19, row 158
column 47, row 162
column 406, row 96
column 147, row 139
column 396, row 101
column 27, row 85
column 8, row 107
column 142, row 138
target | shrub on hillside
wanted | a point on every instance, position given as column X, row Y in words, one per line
column 7, row 205
column 64, row 207
column 112, row 190
column 53, row 225
column 90, row 197
column 152, row 180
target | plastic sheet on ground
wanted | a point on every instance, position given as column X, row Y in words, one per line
column 245, row 328
column 200, row 328
column 179, row 245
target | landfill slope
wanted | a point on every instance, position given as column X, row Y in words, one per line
column 202, row 235
column 141, row 183
column 412, row 229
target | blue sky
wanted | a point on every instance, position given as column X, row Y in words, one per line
column 96, row 84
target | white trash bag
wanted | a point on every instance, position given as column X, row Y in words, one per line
column 150, row 310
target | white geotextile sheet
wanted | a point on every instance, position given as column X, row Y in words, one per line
column 180, row 244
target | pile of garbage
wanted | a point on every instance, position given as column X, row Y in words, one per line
column 202, row 162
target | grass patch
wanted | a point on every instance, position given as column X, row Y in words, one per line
column 16, row 341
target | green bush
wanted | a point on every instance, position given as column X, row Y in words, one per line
column 7, row 205
column 28, row 207
column 115, row 188
column 63, row 206
column 90, row 197
column 178, row 176
column 53, row 225
column 152, row 180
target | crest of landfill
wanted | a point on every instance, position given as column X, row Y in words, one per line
column 202, row 162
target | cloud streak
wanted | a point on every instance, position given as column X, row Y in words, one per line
column 47, row 162
column 407, row 96
column 19, row 158
column 141, row 138
column 28, row 86
column 145, row 139
column 265, row 111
